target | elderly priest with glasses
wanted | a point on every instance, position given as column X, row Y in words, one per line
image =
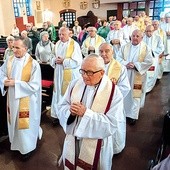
column 90, row 112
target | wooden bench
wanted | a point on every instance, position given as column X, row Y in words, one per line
column 47, row 84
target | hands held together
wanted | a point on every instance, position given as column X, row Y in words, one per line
column 9, row 82
column 59, row 60
column 77, row 109
column 130, row 65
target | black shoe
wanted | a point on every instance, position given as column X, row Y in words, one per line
column 55, row 122
column 131, row 121
column 27, row 156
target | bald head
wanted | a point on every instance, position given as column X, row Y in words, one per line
column 64, row 34
column 96, row 61
column 149, row 30
column 106, row 52
column 155, row 24
column 129, row 21
column 137, row 36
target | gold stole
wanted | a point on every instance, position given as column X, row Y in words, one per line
column 162, row 37
column 67, row 73
column 137, row 87
column 98, row 41
column 88, row 146
column 114, row 71
column 24, row 103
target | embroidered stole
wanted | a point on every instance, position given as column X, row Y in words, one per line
column 90, row 148
column 137, row 87
column 114, row 71
column 98, row 41
column 24, row 103
column 67, row 73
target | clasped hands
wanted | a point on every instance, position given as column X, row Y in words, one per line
column 9, row 82
column 59, row 60
column 78, row 109
column 115, row 41
column 130, row 65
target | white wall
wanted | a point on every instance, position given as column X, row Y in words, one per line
column 55, row 6
column 6, row 17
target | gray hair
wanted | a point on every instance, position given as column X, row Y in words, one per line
column 10, row 38
column 43, row 33
column 25, row 42
column 99, row 62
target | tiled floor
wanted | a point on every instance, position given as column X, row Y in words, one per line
column 143, row 139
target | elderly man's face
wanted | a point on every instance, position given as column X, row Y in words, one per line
column 136, row 37
column 92, row 32
column 64, row 35
column 45, row 25
column 167, row 19
column 106, row 52
column 19, row 49
column 149, row 31
column 129, row 22
column 117, row 25
column 155, row 25
column 96, row 74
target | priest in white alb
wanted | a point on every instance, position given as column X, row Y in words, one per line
column 118, row 75
column 137, row 58
column 155, row 42
column 92, row 42
column 90, row 113
column 20, row 78
column 66, row 62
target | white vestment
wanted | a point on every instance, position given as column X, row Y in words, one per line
column 132, row 104
column 72, row 63
column 95, row 125
column 124, row 86
column 117, row 34
column 94, row 42
column 163, row 165
column 128, row 29
column 166, row 63
column 162, row 34
column 156, row 44
column 123, row 81
column 23, row 140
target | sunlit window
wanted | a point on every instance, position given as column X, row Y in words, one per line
column 22, row 7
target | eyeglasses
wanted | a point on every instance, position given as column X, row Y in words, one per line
column 88, row 73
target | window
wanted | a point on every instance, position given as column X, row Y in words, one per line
column 69, row 16
column 134, row 8
column 155, row 8
column 22, row 7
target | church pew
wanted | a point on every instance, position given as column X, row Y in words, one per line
column 47, row 84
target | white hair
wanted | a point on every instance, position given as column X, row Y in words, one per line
column 99, row 62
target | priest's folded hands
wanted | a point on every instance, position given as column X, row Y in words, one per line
column 130, row 65
column 9, row 82
column 77, row 109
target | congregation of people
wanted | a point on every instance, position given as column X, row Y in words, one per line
column 102, row 74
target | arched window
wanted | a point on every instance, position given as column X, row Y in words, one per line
column 69, row 15
column 22, row 7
